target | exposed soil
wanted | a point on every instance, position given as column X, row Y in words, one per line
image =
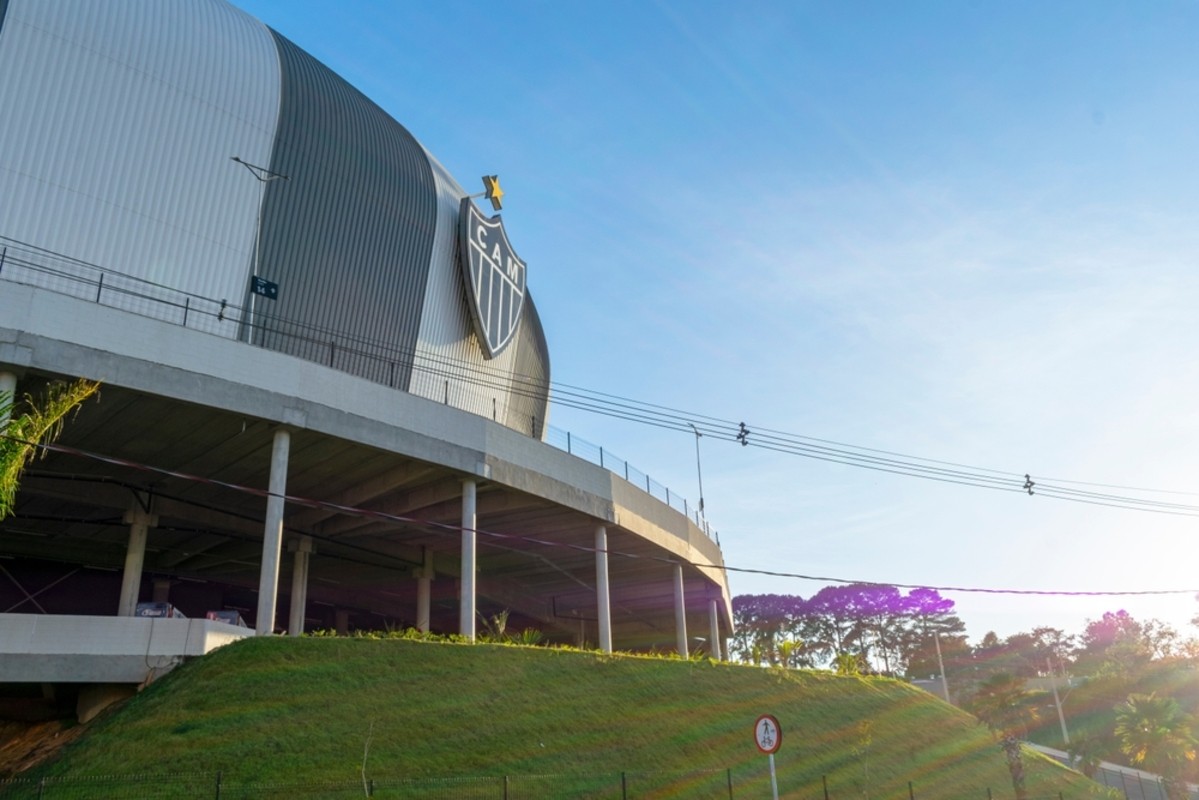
column 24, row 745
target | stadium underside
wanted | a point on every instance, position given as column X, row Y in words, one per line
column 202, row 472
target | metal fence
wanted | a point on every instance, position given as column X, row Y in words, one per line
column 1134, row 784
column 714, row 784
column 25, row 264
column 711, row 784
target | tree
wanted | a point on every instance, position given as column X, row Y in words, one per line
column 1119, row 644
column 1086, row 753
column 1023, row 654
column 1001, row 704
column 882, row 629
column 832, row 628
column 931, row 617
column 33, row 423
column 1155, row 733
column 763, row 624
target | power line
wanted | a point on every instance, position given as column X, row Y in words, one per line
column 451, row 529
column 614, row 406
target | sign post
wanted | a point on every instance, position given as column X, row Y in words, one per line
column 768, row 735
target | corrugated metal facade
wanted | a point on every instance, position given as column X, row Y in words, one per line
column 121, row 119
column 118, row 121
column 349, row 235
column 529, row 376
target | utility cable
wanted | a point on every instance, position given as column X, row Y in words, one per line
column 614, row 406
column 455, row 530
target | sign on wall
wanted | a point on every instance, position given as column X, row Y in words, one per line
column 494, row 276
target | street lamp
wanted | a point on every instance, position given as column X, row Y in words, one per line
column 698, row 470
column 263, row 176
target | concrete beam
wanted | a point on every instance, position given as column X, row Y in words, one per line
column 404, row 504
column 364, row 493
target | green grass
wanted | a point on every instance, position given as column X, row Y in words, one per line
column 300, row 711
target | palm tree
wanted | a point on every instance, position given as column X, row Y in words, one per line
column 39, row 422
column 1001, row 703
column 1155, row 733
column 1086, row 753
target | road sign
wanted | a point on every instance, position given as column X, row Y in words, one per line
column 767, row 734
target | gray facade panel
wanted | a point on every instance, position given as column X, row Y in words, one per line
column 529, row 391
column 348, row 236
column 121, row 118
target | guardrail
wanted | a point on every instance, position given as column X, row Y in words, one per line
column 26, row 264
column 565, row 440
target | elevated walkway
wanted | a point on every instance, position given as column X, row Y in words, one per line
column 101, row 659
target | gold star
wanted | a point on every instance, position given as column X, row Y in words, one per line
column 494, row 193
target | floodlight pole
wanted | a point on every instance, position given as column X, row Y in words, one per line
column 698, row 469
column 263, row 176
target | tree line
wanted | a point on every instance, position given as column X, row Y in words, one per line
column 869, row 628
column 1127, row 689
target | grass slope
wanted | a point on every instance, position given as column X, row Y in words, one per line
column 301, row 711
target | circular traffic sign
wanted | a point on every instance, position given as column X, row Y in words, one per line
column 767, row 734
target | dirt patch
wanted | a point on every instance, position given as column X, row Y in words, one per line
column 24, row 745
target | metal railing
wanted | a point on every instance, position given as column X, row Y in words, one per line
column 377, row 362
column 565, row 440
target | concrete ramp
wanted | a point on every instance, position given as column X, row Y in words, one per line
column 46, row 648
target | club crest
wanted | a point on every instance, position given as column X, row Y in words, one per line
column 494, row 276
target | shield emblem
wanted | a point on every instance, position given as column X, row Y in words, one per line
column 494, row 276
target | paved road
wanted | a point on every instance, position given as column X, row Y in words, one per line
column 1135, row 784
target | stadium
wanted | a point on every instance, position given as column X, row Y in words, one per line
column 324, row 381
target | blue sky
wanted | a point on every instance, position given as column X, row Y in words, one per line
column 962, row 231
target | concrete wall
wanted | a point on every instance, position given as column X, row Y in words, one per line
column 38, row 648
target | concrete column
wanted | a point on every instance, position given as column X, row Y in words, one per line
column 301, row 552
column 272, row 535
column 162, row 590
column 424, row 588
column 8, row 387
column 466, row 597
column 603, row 601
column 714, row 634
column 140, row 521
column 680, row 612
